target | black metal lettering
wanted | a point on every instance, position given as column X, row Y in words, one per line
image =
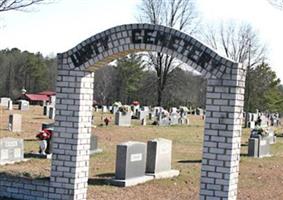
column 186, row 45
column 204, row 59
column 162, row 38
column 173, row 40
column 135, row 34
column 104, row 42
column 148, row 39
column 95, row 48
column 74, row 59
column 195, row 51
column 82, row 55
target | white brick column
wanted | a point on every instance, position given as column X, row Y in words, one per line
column 71, row 139
column 222, row 139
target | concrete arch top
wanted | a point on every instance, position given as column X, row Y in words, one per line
column 119, row 41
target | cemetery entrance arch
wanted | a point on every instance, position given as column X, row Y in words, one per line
column 74, row 92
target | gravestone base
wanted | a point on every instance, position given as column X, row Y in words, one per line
column 13, row 162
column 91, row 152
column 165, row 174
column 38, row 155
column 131, row 181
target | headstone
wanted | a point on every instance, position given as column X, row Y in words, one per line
column 104, row 109
column 253, row 147
column 94, row 145
column 115, row 109
column 173, row 110
column 151, row 116
column 264, row 148
column 145, row 108
column 143, row 122
column 174, row 119
column 130, row 164
column 135, row 109
column 251, row 124
column 52, row 100
column 10, row 105
column 157, row 110
column 200, row 111
column 46, row 110
column 123, row 118
column 183, row 121
column 15, row 123
column 264, row 121
column 258, row 146
column 11, row 150
column 52, row 113
column 23, row 105
column 158, row 160
column 4, row 101
column 184, row 111
column 163, row 121
column 141, row 114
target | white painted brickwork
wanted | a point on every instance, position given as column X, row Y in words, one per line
column 222, row 140
column 74, row 93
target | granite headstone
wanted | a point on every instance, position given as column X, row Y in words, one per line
column 11, row 150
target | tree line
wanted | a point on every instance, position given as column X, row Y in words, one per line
column 22, row 69
column 130, row 79
column 155, row 78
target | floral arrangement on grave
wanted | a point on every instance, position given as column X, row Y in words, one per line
column 124, row 109
column 44, row 136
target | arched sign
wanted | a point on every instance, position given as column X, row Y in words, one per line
column 145, row 37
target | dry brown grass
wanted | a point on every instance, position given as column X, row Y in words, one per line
column 259, row 178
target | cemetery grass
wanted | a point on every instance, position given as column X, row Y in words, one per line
column 259, row 178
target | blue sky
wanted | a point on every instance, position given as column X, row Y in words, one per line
column 57, row 27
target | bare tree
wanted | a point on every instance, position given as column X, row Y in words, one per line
column 7, row 5
column 277, row 3
column 104, row 84
column 239, row 42
column 178, row 14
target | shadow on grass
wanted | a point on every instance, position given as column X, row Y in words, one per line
column 105, row 175
column 101, row 179
column 244, row 145
column 39, row 118
column 189, row 161
column 244, row 154
column 23, row 176
column 98, row 181
column 30, row 140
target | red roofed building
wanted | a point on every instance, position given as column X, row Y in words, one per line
column 48, row 93
column 35, row 99
column 39, row 98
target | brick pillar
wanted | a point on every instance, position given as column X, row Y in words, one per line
column 222, row 139
column 71, row 142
